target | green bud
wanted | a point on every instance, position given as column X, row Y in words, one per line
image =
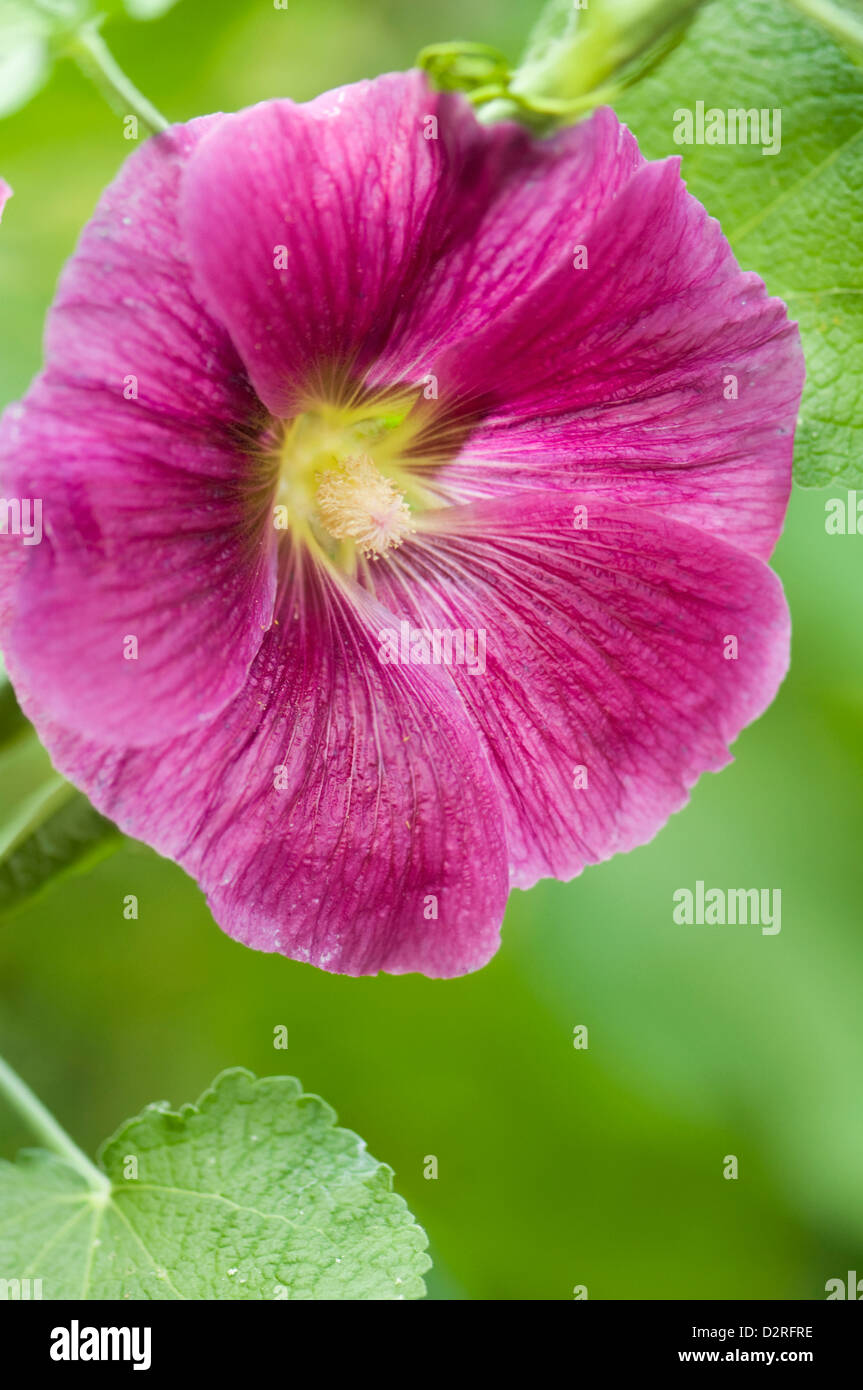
column 583, row 51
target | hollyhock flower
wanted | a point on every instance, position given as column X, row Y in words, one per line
column 322, row 380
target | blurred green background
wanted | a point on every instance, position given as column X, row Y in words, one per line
column 557, row 1167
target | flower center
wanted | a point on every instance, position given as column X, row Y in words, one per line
column 356, row 502
column 343, row 481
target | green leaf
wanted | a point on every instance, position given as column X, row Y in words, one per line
column 793, row 217
column 843, row 22
column 54, row 832
column 252, row 1193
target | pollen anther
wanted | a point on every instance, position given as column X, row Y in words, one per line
column 356, row 502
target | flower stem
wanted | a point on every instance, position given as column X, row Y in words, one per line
column 96, row 61
column 46, row 1128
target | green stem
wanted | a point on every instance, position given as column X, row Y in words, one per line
column 46, row 1128
column 96, row 61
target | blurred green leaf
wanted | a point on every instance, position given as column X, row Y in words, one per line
column 34, row 33
column 148, row 9
column 24, row 53
column 252, row 1193
column 54, row 832
column 793, row 217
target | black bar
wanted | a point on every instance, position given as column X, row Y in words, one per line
column 248, row 1337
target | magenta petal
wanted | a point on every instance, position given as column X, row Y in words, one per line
column 342, row 187
column 132, row 438
column 5, row 195
column 605, row 651
column 381, row 847
column 661, row 374
column 336, row 233
column 509, row 209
